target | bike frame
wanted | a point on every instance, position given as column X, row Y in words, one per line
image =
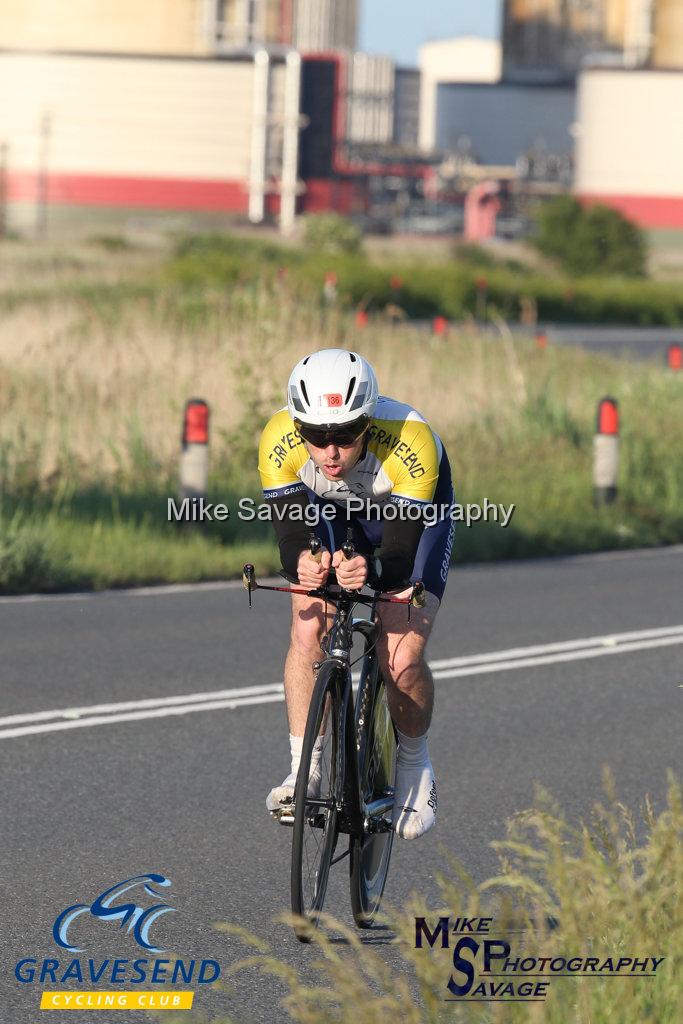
column 355, row 817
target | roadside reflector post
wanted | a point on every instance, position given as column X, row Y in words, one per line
column 440, row 325
column 194, row 453
column 361, row 318
column 674, row 356
column 541, row 339
column 330, row 288
column 606, row 452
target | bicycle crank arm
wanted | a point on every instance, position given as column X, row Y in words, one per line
column 376, row 808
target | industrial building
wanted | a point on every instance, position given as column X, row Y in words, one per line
column 186, row 105
column 406, row 108
column 632, row 161
column 596, row 83
column 133, row 132
column 554, row 38
column 464, row 59
column 177, row 27
column 265, row 109
column 498, row 125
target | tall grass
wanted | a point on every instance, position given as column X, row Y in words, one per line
column 608, row 887
column 94, row 375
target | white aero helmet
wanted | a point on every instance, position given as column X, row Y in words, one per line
column 332, row 387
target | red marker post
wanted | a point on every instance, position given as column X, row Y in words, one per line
column 606, row 452
column 194, row 453
column 440, row 325
column 330, row 288
column 674, row 357
column 361, row 318
column 541, row 340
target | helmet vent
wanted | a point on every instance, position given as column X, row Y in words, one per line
column 360, row 397
column 349, row 392
column 296, row 401
column 352, row 357
column 302, row 385
column 305, row 360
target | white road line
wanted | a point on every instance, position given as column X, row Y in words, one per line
column 150, row 702
column 609, row 640
column 552, row 659
column 137, row 716
column 37, row 722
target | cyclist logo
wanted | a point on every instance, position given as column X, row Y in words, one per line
column 138, row 918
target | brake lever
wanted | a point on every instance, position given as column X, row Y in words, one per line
column 348, row 548
column 316, row 548
column 249, row 579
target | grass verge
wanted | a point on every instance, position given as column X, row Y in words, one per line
column 93, row 381
column 607, row 889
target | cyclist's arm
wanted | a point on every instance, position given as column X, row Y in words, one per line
column 291, row 530
column 394, row 561
column 281, row 455
column 413, row 468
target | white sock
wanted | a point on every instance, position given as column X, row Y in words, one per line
column 295, row 745
column 415, row 795
column 285, row 791
column 412, row 750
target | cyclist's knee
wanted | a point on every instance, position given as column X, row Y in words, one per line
column 404, row 663
column 307, row 629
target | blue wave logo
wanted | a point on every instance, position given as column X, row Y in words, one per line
column 138, row 918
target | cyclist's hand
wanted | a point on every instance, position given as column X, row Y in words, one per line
column 352, row 573
column 313, row 574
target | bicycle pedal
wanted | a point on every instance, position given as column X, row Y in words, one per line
column 284, row 815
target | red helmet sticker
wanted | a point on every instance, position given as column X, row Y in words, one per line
column 333, row 401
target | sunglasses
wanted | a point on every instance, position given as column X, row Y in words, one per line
column 344, row 436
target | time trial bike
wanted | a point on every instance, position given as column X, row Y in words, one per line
column 357, row 763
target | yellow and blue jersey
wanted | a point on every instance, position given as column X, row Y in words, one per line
column 400, row 463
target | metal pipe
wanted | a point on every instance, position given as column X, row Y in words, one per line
column 290, row 142
column 259, row 130
column 210, row 32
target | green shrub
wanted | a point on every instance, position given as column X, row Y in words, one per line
column 598, row 240
column 28, row 559
column 331, row 233
column 111, row 243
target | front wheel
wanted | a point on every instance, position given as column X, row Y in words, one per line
column 315, row 815
column 370, row 853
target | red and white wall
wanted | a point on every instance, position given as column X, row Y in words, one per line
column 629, row 151
column 163, row 133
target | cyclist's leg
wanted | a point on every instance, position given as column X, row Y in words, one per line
column 410, row 687
column 401, row 651
column 308, row 626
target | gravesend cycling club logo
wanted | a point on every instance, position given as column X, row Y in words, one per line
column 134, row 907
column 486, row 969
column 138, row 919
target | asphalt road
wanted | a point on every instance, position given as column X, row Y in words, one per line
column 649, row 343
column 94, row 797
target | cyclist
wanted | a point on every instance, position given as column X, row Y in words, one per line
column 339, row 440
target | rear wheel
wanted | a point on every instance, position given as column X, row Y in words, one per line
column 315, row 816
column 370, row 853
